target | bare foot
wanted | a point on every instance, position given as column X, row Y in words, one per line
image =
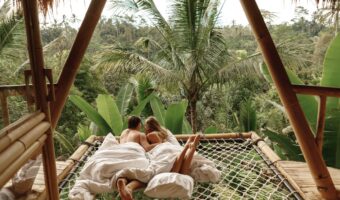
column 196, row 141
column 124, row 192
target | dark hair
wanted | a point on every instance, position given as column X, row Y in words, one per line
column 133, row 122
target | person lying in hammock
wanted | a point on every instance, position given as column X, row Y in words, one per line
column 157, row 135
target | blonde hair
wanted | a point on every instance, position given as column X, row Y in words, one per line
column 152, row 125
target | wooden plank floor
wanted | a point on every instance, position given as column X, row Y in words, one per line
column 299, row 173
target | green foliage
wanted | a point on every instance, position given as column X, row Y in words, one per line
column 108, row 109
column 83, row 132
column 124, row 97
column 174, row 116
column 247, row 117
column 287, row 145
column 91, row 113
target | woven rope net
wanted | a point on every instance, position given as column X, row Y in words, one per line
column 246, row 173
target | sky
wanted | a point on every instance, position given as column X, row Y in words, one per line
column 232, row 10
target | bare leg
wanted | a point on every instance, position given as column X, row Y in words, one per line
column 185, row 168
column 179, row 160
column 134, row 185
column 123, row 190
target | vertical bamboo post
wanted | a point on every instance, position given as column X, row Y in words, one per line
column 30, row 8
column 296, row 116
column 75, row 57
column 4, row 107
column 321, row 122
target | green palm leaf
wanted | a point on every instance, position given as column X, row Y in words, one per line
column 91, row 113
column 158, row 110
column 108, row 109
column 289, row 146
column 247, row 117
column 124, row 97
column 331, row 71
column 174, row 116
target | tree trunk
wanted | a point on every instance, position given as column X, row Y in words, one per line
column 193, row 115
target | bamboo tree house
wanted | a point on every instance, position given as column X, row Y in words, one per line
column 33, row 133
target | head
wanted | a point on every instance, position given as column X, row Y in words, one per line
column 151, row 124
column 134, row 122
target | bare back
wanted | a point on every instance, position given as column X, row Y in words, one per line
column 130, row 135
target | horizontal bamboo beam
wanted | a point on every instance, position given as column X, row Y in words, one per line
column 83, row 148
column 21, row 160
column 316, row 90
column 216, row 136
column 12, row 136
column 19, row 90
column 17, row 123
column 8, row 156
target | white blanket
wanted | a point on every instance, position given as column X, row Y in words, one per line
column 129, row 160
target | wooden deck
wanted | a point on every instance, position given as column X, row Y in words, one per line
column 299, row 176
column 38, row 188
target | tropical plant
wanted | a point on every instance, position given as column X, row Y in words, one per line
column 173, row 117
column 247, row 116
column 107, row 116
column 331, row 69
column 189, row 51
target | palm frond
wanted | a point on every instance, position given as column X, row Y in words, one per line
column 12, row 38
column 125, row 60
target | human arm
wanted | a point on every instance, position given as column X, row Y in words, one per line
column 145, row 144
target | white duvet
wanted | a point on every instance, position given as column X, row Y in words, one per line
column 129, row 160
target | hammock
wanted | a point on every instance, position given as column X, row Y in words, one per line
column 247, row 173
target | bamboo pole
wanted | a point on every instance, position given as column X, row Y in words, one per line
column 317, row 90
column 4, row 108
column 273, row 157
column 24, row 157
column 18, row 123
column 12, row 136
column 321, row 123
column 75, row 57
column 296, row 116
column 216, row 136
column 30, row 9
column 15, row 150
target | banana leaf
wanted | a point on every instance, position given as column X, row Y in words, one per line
column 331, row 145
column 247, row 117
column 158, row 109
column 289, row 146
column 308, row 104
column 91, row 113
column 186, row 128
column 124, row 97
column 174, row 116
column 108, row 109
column 140, row 107
column 331, row 71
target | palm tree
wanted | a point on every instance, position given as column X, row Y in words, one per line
column 189, row 54
column 330, row 14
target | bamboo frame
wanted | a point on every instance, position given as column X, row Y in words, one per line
column 24, row 157
column 288, row 97
column 12, row 136
column 266, row 150
column 321, row 122
column 4, row 108
column 31, row 17
column 16, row 124
column 217, row 136
column 24, row 143
column 316, row 90
column 75, row 57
